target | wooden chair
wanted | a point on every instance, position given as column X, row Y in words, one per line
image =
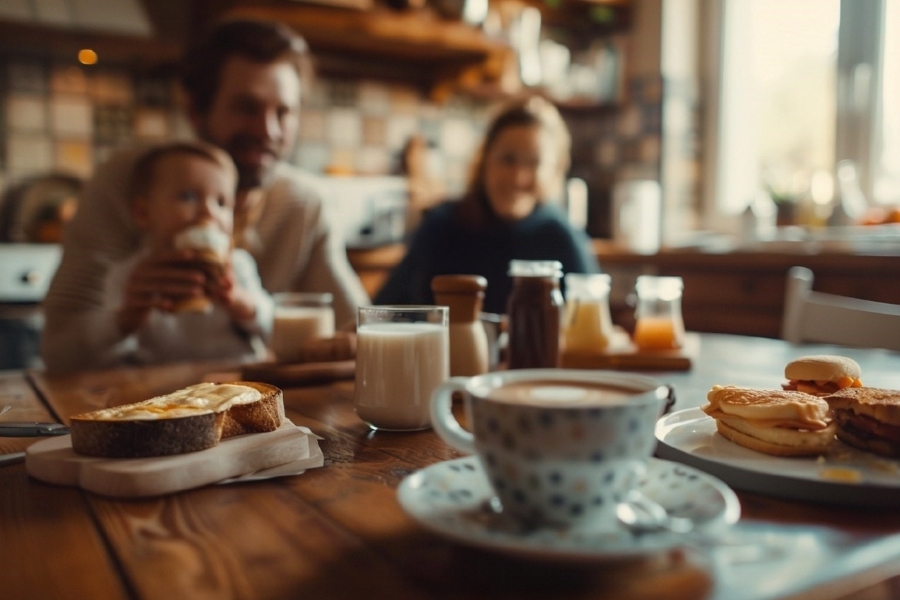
column 827, row 318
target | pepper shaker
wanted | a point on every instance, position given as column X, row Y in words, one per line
column 464, row 294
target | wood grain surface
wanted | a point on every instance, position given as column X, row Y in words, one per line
column 294, row 375
column 19, row 402
column 339, row 532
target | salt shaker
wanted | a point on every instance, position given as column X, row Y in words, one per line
column 534, row 309
column 464, row 295
column 587, row 325
column 659, row 323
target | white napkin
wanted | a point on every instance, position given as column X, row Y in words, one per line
column 313, row 458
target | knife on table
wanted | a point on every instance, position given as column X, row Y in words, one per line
column 31, row 429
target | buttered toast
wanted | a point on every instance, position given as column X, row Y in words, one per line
column 187, row 420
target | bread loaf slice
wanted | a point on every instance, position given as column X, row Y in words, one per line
column 187, row 420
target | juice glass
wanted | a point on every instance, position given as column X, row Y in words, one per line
column 587, row 324
column 659, row 324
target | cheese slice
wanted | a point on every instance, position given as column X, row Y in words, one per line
column 200, row 399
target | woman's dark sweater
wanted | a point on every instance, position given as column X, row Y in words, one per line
column 444, row 246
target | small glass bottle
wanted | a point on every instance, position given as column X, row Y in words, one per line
column 535, row 310
column 464, row 295
column 659, row 324
column 587, row 325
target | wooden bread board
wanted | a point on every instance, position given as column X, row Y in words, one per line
column 294, row 375
column 53, row 461
column 628, row 357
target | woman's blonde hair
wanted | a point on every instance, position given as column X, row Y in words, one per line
column 534, row 111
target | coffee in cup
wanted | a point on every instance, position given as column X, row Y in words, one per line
column 559, row 447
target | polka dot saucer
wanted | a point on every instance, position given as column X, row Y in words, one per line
column 454, row 499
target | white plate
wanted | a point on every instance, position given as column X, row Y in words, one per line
column 844, row 476
column 453, row 499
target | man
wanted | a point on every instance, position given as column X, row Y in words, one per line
column 243, row 84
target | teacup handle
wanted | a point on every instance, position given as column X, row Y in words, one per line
column 442, row 419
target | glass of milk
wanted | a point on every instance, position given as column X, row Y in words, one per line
column 402, row 355
column 300, row 317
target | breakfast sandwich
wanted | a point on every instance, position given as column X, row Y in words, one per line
column 868, row 419
column 776, row 422
column 822, row 374
column 213, row 248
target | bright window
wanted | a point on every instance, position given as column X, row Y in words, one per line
column 802, row 85
column 887, row 177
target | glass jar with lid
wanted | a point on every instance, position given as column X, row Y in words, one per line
column 659, row 324
column 587, row 325
column 535, row 311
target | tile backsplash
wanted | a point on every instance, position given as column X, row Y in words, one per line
column 65, row 117
column 57, row 117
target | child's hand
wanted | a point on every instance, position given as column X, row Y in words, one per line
column 234, row 298
column 158, row 282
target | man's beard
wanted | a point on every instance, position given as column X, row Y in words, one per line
column 253, row 175
column 250, row 176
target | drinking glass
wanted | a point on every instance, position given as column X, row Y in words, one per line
column 300, row 317
column 402, row 355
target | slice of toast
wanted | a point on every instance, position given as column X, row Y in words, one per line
column 187, row 420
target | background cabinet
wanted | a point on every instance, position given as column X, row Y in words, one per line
column 743, row 292
column 733, row 292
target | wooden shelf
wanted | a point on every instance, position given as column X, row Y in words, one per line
column 582, row 21
column 45, row 42
column 411, row 45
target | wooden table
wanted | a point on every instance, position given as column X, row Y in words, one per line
column 339, row 532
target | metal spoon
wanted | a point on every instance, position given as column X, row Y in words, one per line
column 641, row 515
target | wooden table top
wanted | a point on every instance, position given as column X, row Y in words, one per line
column 339, row 531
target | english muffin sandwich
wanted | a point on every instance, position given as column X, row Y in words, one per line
column 213, row 247
column 868, row 419
column 822, row 374
column 776, row 422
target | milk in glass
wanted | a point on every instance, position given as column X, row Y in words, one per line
column 398, row 366
column 298, row 318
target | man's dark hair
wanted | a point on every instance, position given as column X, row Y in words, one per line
column 256, row 40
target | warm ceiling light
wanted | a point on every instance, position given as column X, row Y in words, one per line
column 87, row 56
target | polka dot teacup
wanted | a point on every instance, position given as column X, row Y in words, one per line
column 560, row 447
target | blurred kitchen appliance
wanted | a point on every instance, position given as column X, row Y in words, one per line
column 25, row 274
column 369, row 211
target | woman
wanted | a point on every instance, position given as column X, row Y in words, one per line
column 504, row 215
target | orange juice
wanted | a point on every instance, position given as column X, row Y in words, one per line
column 657, row 333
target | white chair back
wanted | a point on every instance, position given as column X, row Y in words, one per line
column 827, row 318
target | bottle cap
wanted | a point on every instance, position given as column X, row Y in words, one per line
column 535, row 268
column 663, row 288
column 462, row 293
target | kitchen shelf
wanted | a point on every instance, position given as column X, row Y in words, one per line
column 42, row 41
column 382, row 43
